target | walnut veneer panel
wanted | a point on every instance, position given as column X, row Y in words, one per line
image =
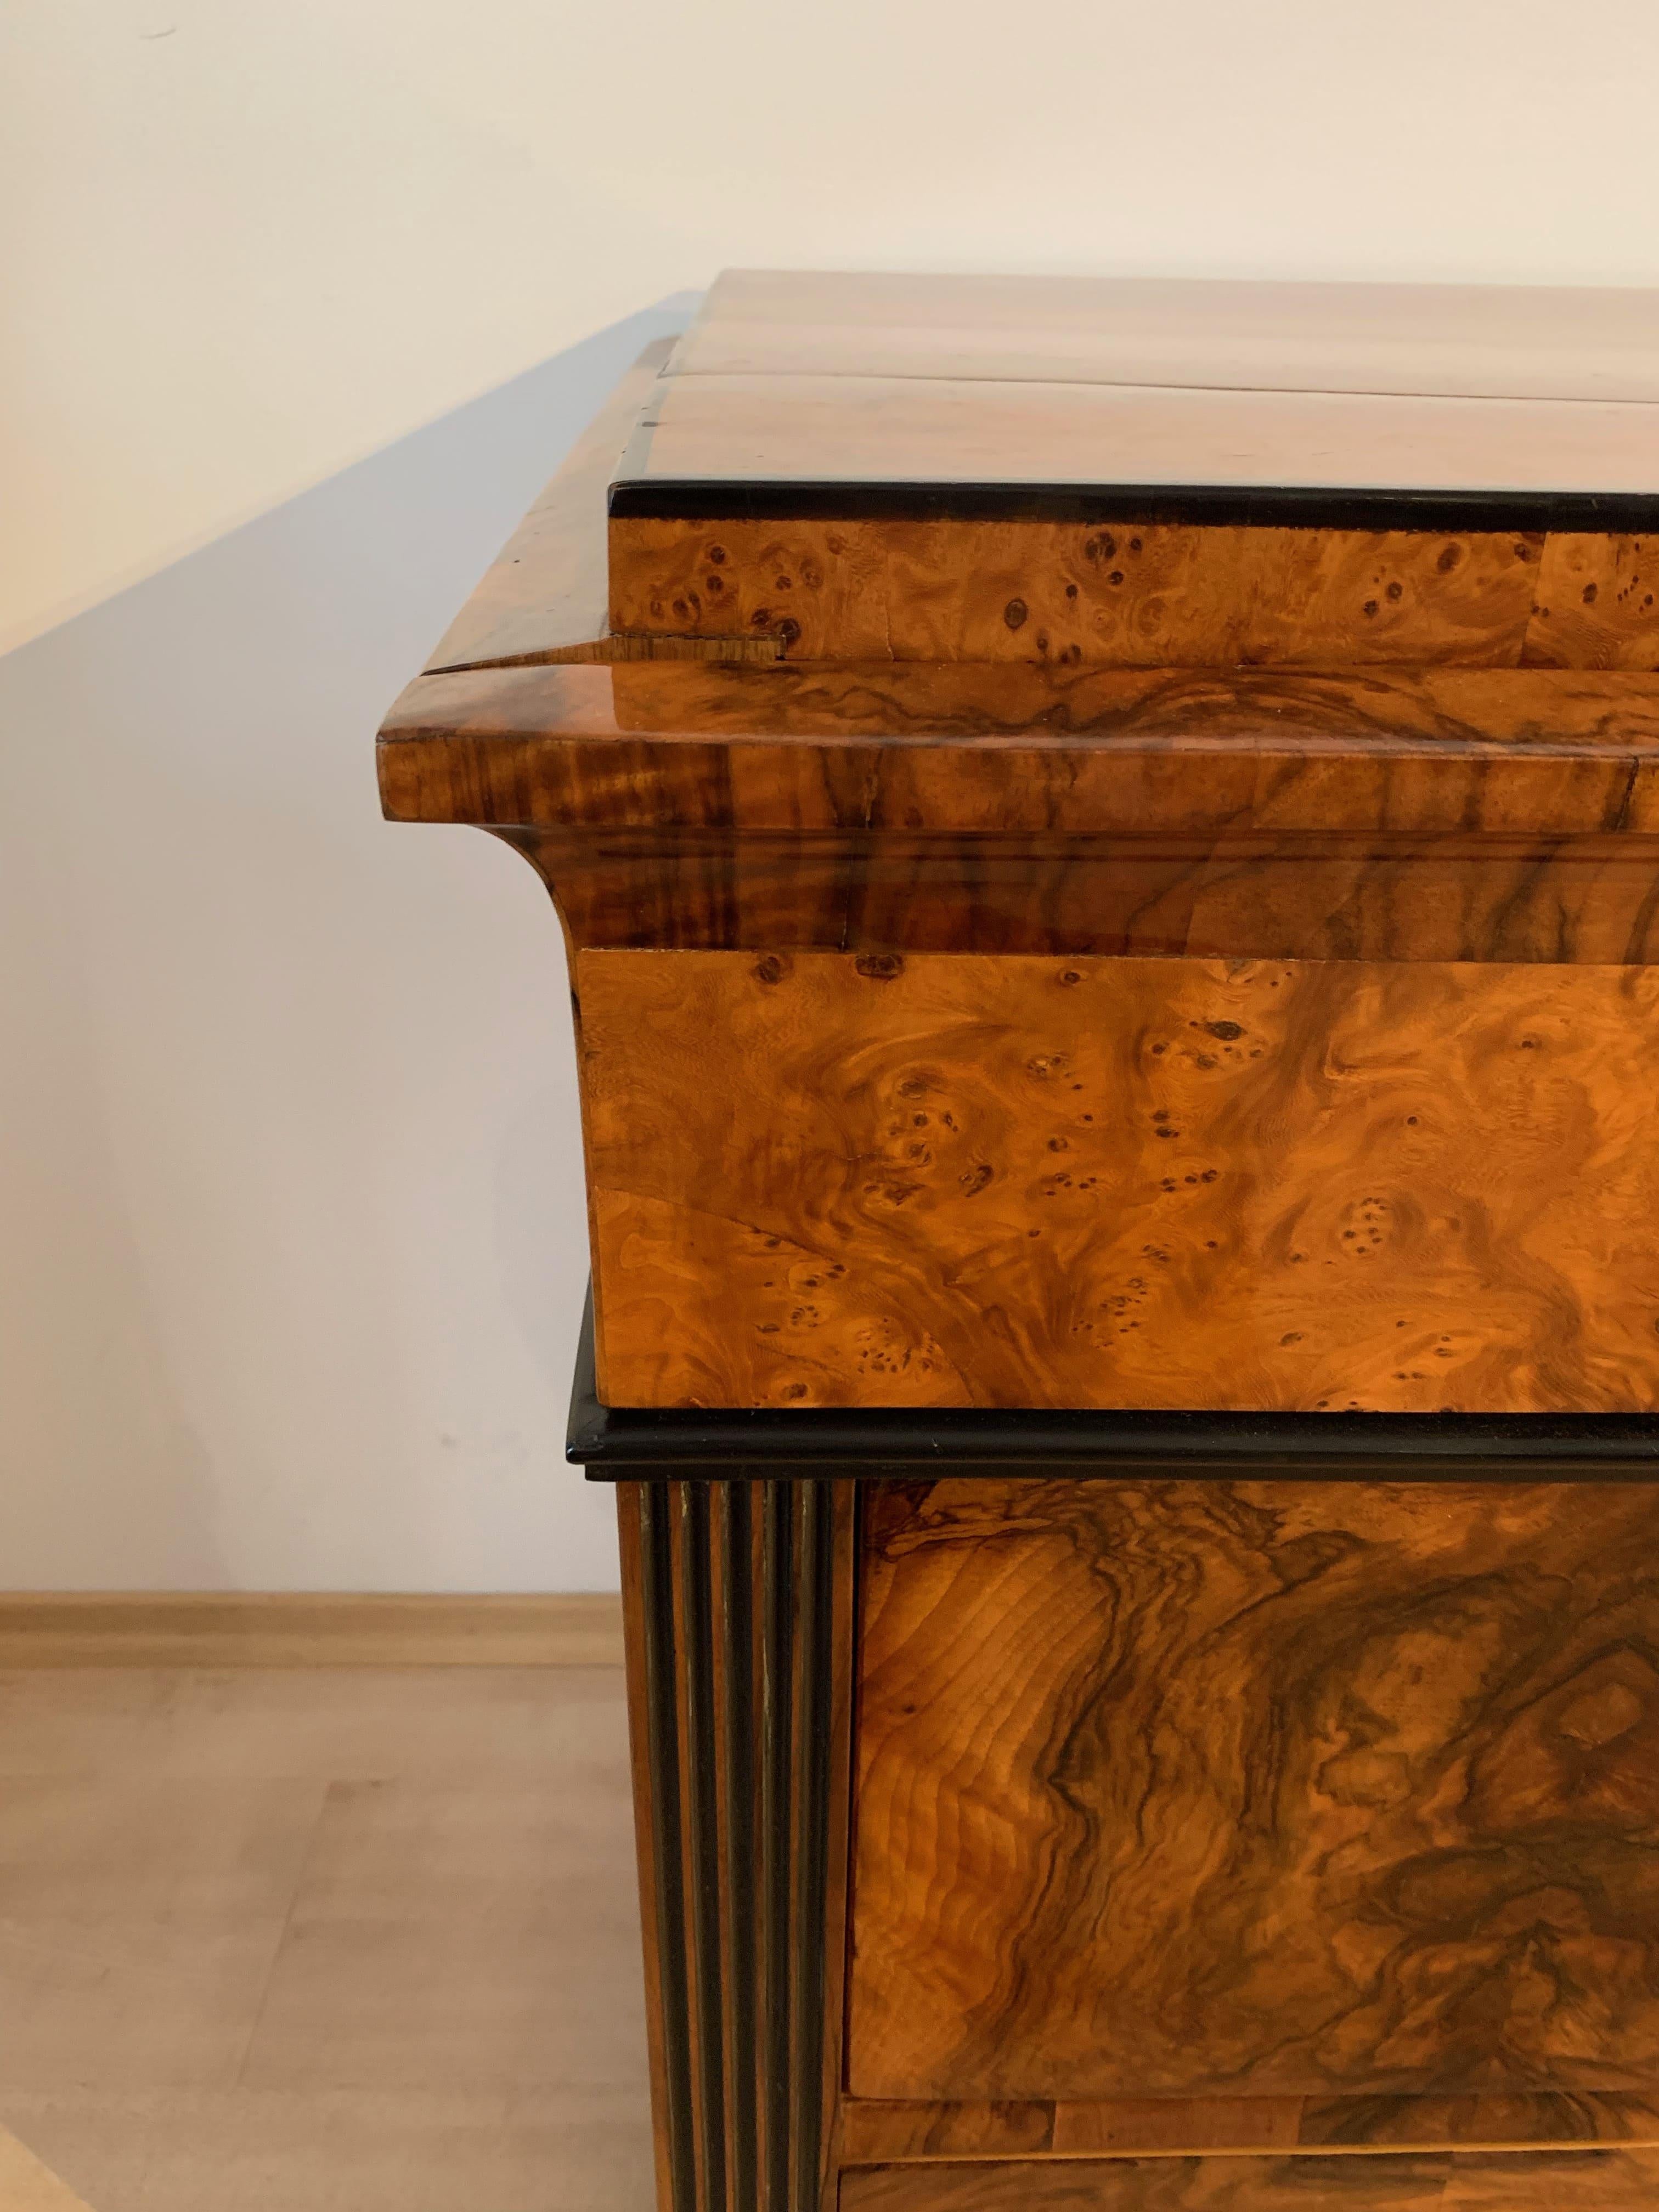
column 1263, row 1787
column 1522, row 2181
column 1125, row 595
column 875, row 2131
column 822, row 1179
column 1440, row 814
column 1001, row 750
column 878, row 2131
column 1331, row 898
column 1484, row 341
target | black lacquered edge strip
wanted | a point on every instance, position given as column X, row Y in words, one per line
column 662, row 1758
column 777, row 1684
column 733, row 1505
column 620, row 1443
column 816, row 1557
column 703, row 1830
column 1331, row 508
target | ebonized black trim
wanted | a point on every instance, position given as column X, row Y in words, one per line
column 1333, row 507
column 738, row 1757
column 776, row 1742
column 704, row 1837
column 814, row 1599
column 734, row 1520
column 621, row 1444
column 659, row 1642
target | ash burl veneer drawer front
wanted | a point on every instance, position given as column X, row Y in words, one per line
column 1255, row 1788
column 1514, row 2181
column 941, row 1181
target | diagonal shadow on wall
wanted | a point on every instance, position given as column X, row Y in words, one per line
column 292, row 1242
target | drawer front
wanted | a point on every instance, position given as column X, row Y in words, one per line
column 1519, row 2181
column 1252, row 1789
column 826, row 1180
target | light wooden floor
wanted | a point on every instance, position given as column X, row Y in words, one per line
column 323, row 1941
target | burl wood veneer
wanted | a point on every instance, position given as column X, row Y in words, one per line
column 1107, row 836
column 1150, row 595
column 936, row 1179
column 1357, row 832
column 884, row 709
column 1114, row 1843
column 1539, row 2181
column 1256, row 1788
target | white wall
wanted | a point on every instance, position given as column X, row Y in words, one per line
column 246, row 243
column 290, row 1233
column 292, row 1241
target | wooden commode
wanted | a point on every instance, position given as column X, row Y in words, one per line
column 1107, row 835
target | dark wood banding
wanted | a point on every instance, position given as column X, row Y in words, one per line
column 657, row 1644
column 1474, row 2181
column 743, row 1788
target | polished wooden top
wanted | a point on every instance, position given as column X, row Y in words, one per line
column 833, row 382
column 1470, row 341
column 816, row 442
column 843, row 468
column 545, row 594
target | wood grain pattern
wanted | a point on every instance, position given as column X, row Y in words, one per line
column 1012, row 750
column 544, row 597
column 1265, row 1789
column 738, row 1611
column 1442, row 814
column 818, row 591
column 1589, row 899
column 1236, row 1845
column 650, row 1830
column 816, row 430
column 1484, row 340
column 874, row 2131
column 1542, row 2116
column 820, row 1179
column 1597, row 602
column 1123, row 595
column 881, row 2131
column 1522, row 2181
column 1136, row 2123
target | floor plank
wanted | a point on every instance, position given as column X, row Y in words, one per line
column 339, row 1938
column 26, row 2186
column 139, row 2002
column 342, row 2151
column 136, row 1845
column 454, row 1724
